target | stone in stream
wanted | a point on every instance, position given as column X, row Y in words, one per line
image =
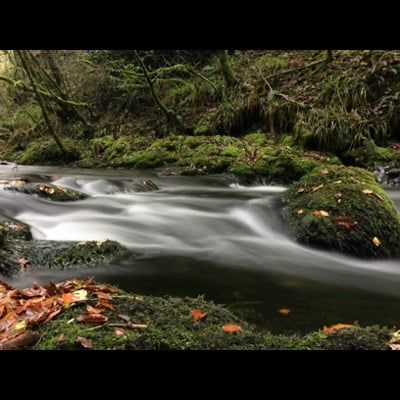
column 44, row 190
column 18, row 251
column 343, row 209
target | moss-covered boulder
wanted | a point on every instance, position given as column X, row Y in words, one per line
column 44, row 190
column 344, row 209
column 18, row 251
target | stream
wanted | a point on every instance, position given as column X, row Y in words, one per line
column 207, row 236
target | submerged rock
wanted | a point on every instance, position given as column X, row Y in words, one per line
column 18, row 251
column 44, row 190
column 343, row 209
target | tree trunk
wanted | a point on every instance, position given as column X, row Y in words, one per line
column 172, row 119
column 226, row 69
column 40, row 100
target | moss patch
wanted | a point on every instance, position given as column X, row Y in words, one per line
column 343, row 209
column 166, row 323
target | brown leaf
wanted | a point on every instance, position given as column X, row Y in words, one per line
column 301, row 190
column 90, row 317
column 337, row 182
column 231, row 328
column 105, row 304
column 336, row 327
column 325, row 171
column 315, row 188
column 284, row 311
column 87, row 344
column 345, row 221
column 61, row 337
column 103, row 296
column 94, row 310
column 376, row 241
column 299, row 212
column 120, row 331
column 197, row 314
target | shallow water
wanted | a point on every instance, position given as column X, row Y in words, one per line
column 208, row 236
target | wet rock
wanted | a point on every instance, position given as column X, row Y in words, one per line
column 143, row 185
column 343, row 209
column 44, row 190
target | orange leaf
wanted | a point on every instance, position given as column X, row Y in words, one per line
column 105, row 304
column 197, row 314
column 89, row 317
column 284, row 311
column 120, row 331
column 231, row 328
column 376, row 241
column 94, row 310
column 69, row 298
column 87, row 344
column 316, row 213
column 336, row 327
column 315, row 188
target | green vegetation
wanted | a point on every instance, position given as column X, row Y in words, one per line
column 345, row 209
column 166, row 323
column 201, row 111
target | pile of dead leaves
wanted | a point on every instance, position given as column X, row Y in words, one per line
column 21, row 310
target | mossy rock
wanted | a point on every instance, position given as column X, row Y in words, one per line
column 344, row 209
column 47, row 191
column 136, row 322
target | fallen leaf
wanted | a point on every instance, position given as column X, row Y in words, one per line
column 90, row 317
column 393, row 346
column 336, row 327
column 299, row 212
column 61, row 337
column 105, row 304
column 120, row 331
column 301, row 190
column 321, row 213
column 284, row 311
column 94, row 310
column 231, row 328
column 315, row 188
column 337, row 182
column 197, row 314
column 368, row 192
column 376, row 241
column 395, row 337
column 325, row 171
column 346, row 221
column 87, row 344
column 103, row 296
column 81, row 294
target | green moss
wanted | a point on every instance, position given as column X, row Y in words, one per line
column 168, row 324
column 358, row 338
column 354, row 218
column 257, row 139
column 231, row 151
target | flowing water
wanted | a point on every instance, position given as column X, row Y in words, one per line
column 208, row 236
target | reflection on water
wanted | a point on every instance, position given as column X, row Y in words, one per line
column 209, row 236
